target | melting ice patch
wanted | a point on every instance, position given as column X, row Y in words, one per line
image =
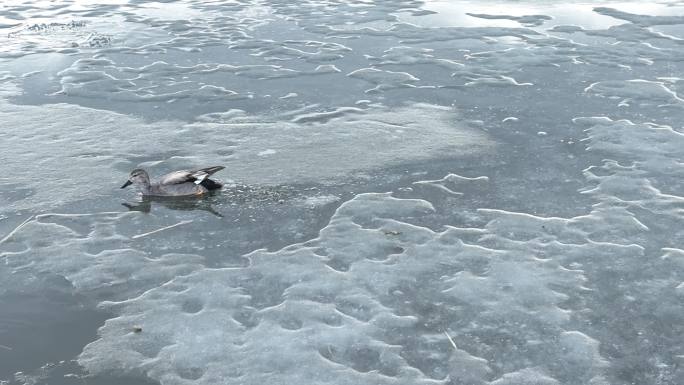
column 637, row 90
column 378, row 298
column 347, row 303
column 366, row 139
column 94, row 254
column 643, row 20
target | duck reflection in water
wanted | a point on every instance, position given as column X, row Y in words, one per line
column 176, row 203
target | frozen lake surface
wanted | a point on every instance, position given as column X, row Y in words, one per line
column 417, row 192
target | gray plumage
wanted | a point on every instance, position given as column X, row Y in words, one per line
column 177, row 183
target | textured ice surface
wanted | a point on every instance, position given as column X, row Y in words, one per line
column 417, row 192
column 262, row 151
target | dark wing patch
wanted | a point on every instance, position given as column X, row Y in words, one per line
column 210, row 184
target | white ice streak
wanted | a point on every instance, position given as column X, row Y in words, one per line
column 526, row 20
column 637, row 90
column 384, row 80
column 161, row 229
column 161, row 81
column 450, row 182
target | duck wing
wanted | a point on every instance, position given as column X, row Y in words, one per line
column 186, row 176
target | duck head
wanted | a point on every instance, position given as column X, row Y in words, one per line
column 137, row 176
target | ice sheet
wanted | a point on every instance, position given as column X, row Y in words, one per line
column 417, row 192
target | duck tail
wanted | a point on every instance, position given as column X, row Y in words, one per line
column 210, row 170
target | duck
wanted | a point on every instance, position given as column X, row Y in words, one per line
column 181, row 183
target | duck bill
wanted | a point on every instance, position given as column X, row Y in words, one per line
column 128, row 183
